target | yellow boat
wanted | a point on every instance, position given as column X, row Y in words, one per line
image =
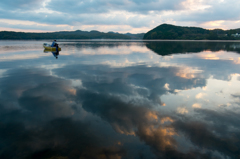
column 49, row 48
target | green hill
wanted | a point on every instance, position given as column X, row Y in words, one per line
column 166, row 31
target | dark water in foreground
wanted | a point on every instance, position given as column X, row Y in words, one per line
column 103, row 99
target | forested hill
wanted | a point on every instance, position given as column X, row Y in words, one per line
column 166, row 31
column 78, row 34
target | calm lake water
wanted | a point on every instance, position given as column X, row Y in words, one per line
column 120, row 99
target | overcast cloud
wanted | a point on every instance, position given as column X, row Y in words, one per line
column 119, row 15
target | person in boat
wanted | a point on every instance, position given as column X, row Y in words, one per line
column 54, row 44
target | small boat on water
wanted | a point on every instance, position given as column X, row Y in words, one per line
column 50, row 48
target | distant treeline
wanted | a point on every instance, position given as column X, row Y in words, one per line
column 8, row 35
column 166, row 31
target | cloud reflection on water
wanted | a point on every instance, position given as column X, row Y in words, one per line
column 99, row 111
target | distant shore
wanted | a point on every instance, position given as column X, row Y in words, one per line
column 161, row 32
column 78, row 34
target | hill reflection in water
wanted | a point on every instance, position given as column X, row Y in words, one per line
column 121, row 100
column 176, row 47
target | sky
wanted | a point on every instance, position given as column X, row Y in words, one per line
column 134, row 16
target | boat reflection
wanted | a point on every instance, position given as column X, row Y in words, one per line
column 55, row 53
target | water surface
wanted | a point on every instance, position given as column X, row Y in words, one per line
column 120, row 99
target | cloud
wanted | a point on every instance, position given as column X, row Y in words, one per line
column 197, row 105
column 131, row 118
column 131, row 14
column 39, row 108
column 181, row 110
column 41, row 118
column 45, row 123
column 213, row 132
column 20, row 5
column 105, row 6
column 35, row 97
column 47, row 116
column 148, row 83
column 199, row 95
column 27, row 25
